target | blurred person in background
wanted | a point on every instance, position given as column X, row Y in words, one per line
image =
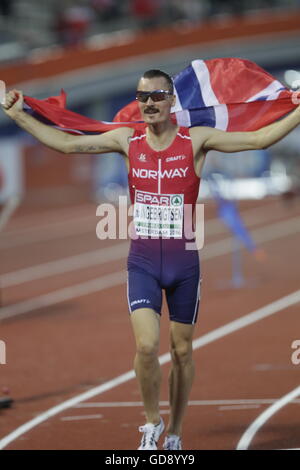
column 106, row 10
column 73, row 23
column 6, row 7
column 191, row 10
column 227, row 7
column 146, row 12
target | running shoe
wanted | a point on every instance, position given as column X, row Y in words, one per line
column 151, row 435
column 172, row 442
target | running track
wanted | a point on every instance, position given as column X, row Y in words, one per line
column 70, row 347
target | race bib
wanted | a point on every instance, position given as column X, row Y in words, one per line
column 158, row 215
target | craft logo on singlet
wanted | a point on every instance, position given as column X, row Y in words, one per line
column 174, row 159
column 140, row 301
column 2, row 352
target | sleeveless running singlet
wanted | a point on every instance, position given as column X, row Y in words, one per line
column 162, row 185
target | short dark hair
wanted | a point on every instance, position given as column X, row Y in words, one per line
column 154, row 73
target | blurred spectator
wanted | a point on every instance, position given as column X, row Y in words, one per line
column 146, row 12
column 233, row 7
column 191, row 10
column 6, row 7
column 172, row 10
column 106, row 10
column 73, row 23
column 74, row 19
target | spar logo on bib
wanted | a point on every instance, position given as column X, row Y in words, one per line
column 158, row 214
column 159, row 199
column 176, row 200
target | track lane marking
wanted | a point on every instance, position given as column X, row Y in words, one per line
column 121, row 404
column 250, row 432
column 77, row 226
column 26, row 222
column 210, row 337
column 33, row 220
column 62, row 295
column 118, row 251
column 64, row 265
column 43, row 233
column 211, row 250
column 81, row 417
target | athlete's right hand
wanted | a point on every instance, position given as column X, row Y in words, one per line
column 13, row 103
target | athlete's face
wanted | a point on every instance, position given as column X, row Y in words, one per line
column 154, row 112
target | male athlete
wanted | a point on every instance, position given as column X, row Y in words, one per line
column 164, row 165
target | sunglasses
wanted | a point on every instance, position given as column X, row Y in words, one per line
column 156, row 95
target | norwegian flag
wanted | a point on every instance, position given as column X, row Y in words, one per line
column 238, row 94
column 230, row 94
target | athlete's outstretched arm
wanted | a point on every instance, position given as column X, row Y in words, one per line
column 214, row 139
column 59, row 140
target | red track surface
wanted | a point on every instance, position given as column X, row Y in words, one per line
column 67, row 347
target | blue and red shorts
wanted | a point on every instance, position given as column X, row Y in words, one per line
column 161, row 264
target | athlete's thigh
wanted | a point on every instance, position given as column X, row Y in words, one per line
column 143, row 291
column 181, row 336
column 183, row 298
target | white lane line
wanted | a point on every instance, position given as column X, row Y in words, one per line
column 211, row 250
column 237, row 407
column 125, row 404
column 64, row 265
column 241, row 322
column 67, row 293
column 78, row 226
column 248, row 435
column 51, row 226
column 45, row 233
column 64, row 406
column 63, row 216
column 33, row 221
column 251, row 217
column 261, row 235
column 115, row 252
column 82, row 417
column 210, row 337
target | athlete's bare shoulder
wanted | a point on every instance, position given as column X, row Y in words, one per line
column 124, row 135
column 126, row 132
column 198, row 135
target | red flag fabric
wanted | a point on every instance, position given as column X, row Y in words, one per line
column 229, row 94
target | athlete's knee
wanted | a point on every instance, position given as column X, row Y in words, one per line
column 147, row 349
column 181, row 352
